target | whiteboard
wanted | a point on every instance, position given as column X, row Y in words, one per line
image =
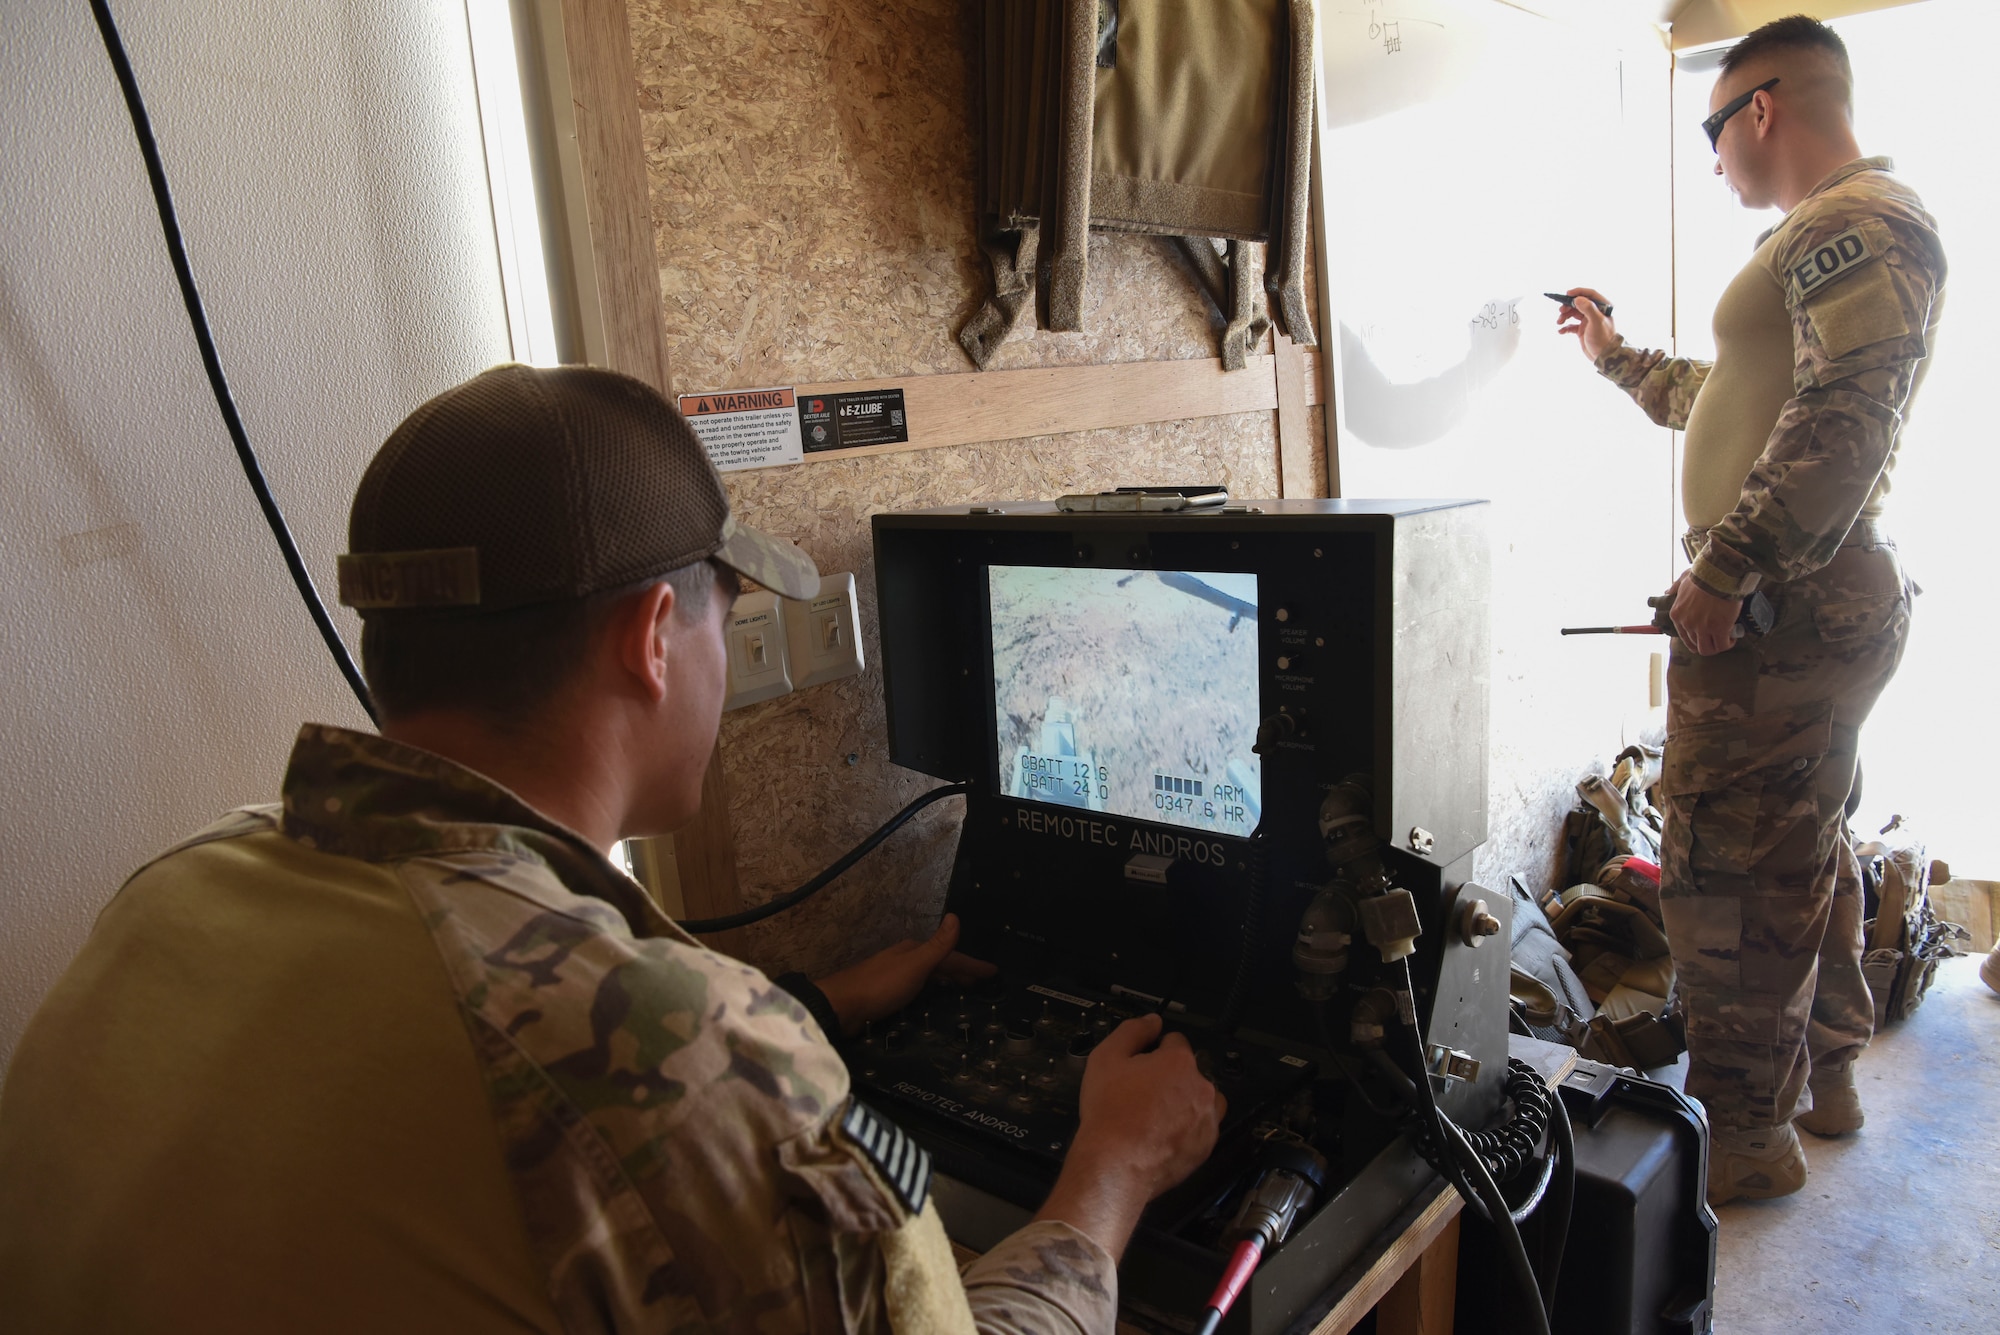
column 1474, row 156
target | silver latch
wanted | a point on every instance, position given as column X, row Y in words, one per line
column 1450, row 1064
column 1422, row 840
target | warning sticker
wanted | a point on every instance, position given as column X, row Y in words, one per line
column 849, row 421
column 746, row 428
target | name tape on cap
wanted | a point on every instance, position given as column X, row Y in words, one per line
column 447, row 577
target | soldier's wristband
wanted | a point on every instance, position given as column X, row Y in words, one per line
column 807, row 994
column 1723, row 580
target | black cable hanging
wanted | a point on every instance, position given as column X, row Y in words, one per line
column 142, row 128
column 706, row 926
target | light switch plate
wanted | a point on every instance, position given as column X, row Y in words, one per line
column 824, row 632
column 756, row 647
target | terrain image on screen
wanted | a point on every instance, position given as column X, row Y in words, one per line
column 1132, row 693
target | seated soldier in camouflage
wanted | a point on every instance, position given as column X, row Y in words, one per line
column 1821, row 343
column 406, row 1052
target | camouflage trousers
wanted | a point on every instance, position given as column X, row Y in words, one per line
column 1760, row 891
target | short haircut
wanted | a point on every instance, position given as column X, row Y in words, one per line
column 1797, row 33
column 504, row 666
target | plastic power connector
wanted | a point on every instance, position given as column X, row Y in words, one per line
column 1391, row 922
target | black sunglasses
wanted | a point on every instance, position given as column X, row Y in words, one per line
column 1712, row 127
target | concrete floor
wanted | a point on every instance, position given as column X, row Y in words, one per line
column 1898, row 1228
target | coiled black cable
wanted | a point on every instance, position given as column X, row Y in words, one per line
column 211, row 360
column 706, row 926
column 1465, row 1167
column 1507, row 1148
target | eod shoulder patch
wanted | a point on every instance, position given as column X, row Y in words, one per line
column 1835, row 258
column 903, row 1164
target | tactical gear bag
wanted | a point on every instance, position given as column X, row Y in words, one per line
column 1185, row 118
column 1608, row 920
column 1542, row 983
column 1904, row 937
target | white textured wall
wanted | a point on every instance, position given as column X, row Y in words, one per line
column 154, row 658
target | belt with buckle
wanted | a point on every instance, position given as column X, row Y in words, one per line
column 1867, row 532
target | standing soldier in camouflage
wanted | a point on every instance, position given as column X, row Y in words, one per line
column 405, row 1052
column 1821, row 341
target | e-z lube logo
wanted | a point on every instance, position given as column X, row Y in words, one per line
column 1083, row 829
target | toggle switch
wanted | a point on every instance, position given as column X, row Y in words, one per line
column 756, row 650
column 824, row 633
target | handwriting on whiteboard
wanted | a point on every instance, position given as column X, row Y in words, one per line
column 1387, row 28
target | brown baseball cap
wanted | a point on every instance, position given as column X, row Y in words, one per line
column 529, row 485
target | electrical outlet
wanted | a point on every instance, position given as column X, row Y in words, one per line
column 824, row 633
column 758, row 669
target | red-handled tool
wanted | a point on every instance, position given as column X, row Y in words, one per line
column 1241, row 1263
column 1290, row 1177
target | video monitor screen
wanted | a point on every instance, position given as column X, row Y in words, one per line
column 1132, row 693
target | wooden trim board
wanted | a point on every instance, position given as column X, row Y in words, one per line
column 616, row 262
column 1295, row 460
column 611, row 160
column 974, row 407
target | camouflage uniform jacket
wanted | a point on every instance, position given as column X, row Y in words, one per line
column 676, row 1130
column 1862, row 272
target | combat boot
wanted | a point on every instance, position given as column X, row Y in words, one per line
column 1836, row 1106
column 1756, row 1164
column 1989, row 969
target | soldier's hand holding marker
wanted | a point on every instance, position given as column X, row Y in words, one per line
column 1587, row 314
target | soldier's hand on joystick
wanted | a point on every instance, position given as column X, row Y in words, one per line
column 1148, row 1118
column 890, row 979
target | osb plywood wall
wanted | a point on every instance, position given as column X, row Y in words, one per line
column 812, row 166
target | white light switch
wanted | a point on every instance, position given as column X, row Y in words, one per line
column 756, row 646
column 824, row 633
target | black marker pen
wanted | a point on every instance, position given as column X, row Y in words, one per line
column 1567, row 300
